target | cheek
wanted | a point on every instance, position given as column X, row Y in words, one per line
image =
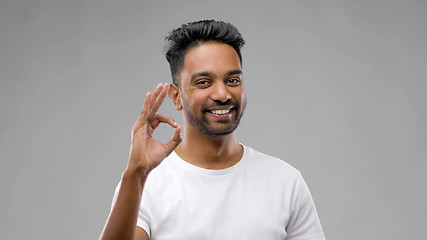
column 240, row 95
column 199, row 97
column 243, row 95
column 192, row 102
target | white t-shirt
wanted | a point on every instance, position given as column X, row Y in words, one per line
column 260, row 197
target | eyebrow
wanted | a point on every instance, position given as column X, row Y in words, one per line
column 234, row 72
column 209, row 74
column 201, row 74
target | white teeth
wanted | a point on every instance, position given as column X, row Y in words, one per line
column 219, row 112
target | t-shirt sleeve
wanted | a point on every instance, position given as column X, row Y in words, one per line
column 142, row 221
column 304, row 222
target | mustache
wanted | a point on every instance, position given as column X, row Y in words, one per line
column 216, row 104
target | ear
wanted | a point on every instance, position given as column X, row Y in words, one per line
column 175, row 94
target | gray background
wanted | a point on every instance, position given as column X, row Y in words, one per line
column 336, row 88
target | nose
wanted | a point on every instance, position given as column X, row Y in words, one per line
column 220, row 92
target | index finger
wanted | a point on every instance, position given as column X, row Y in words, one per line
column 159, row 96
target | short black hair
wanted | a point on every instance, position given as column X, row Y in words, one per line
column 192, row 34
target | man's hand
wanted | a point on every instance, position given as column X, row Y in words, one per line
column 146, row 153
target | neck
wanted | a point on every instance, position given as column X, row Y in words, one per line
column 209, row 152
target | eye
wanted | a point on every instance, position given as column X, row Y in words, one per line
column 202, row 83
column 233, row 81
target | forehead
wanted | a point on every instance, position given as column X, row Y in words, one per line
column 211, row 57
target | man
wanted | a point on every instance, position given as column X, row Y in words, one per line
column 207, row 186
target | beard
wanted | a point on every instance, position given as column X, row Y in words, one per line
column 221, row 127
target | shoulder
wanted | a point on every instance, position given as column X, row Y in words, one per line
column 159, row 176
column 263, row 160
column 162, row 173
column 270, row 165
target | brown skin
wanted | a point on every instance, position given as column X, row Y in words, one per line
column 198, row 148
column 145, row 154
column 194, row 92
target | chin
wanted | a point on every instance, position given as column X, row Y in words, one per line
column 217, row 132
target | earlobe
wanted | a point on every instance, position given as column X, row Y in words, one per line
column 175, row 95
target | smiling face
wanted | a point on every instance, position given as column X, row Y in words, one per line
column 211, row 90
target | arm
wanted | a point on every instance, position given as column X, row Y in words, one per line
column 304, row 222
column 145, row 154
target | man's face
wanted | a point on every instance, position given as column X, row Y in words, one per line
column 211, row 86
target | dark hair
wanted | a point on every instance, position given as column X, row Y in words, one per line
column 189, row 35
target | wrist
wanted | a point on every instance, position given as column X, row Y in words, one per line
column 135, row 175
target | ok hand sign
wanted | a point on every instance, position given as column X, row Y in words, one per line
column 146, row 153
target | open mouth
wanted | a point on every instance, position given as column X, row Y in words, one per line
column 220, row 112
